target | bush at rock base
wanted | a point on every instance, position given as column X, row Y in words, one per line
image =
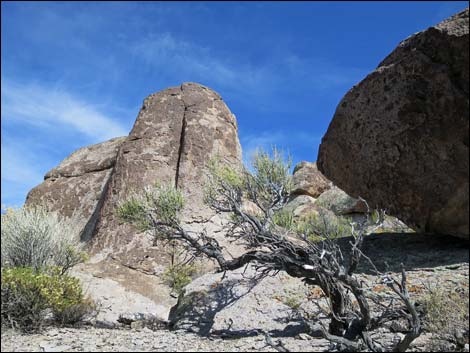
column 29, row 296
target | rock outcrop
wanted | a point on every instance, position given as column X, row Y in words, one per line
column 312, row 191
column 400, row 138
column 238, row 304
column 75, row 186
column 176, row 132
column 308, row 180
column 341, row 203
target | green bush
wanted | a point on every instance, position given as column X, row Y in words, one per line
column 34, row 237
column 178, row 276
column 28, row 296
column 165, row 202
column 324, row 225
column 284, row 218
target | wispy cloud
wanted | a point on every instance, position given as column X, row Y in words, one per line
column 19, row 164
column 188, row 59
column 54, row 108
column 41, row 125
column 21, row 169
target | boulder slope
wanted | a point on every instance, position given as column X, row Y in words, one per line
column 400, row 138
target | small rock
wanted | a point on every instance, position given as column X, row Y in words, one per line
column 104, row 324
column 47, row 347
column 304, row 336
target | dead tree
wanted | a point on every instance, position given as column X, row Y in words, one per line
column 272, row 248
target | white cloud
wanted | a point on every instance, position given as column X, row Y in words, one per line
column 22, row 169
column 39, row 125
column 54, row 108
column 18, row 165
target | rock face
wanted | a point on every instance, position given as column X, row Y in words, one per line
column 74, row 187
column 400, row 137
column 313, row 191
column 176, row 132
column 341, row 203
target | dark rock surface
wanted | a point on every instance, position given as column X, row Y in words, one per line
column 400, row 137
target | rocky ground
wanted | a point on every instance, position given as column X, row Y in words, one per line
column 431, row 262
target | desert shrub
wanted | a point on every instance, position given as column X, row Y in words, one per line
column 33, row 237
column 178, row 276
column 28, row 296
column 166, row 201
column 323, row 225
column 284, row 218
column 446, row 316
column 293, row 299
column 74, row 313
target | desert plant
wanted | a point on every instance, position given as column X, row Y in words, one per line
column 446, row 316
column 272, row 249
column 33, row 237
column 29, row 295
column 179, row 275
column 165, row 202
column 75, row 312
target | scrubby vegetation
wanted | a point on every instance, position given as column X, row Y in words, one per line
column 276, row 242
column 179, row 275
column 446, row 317
column 29, row 296
column 38, row 249
column 33, row 237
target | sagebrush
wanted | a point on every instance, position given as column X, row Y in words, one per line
column 33, row 237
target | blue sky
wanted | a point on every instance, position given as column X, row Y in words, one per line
column 76, row 73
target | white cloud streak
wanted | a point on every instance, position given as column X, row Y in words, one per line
column 53, row 114
column 53, row 108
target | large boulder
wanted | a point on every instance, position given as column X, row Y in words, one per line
column 340, row 203
column 75, row 186
column 400, row 138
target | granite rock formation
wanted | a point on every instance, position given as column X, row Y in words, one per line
column 400, row 137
